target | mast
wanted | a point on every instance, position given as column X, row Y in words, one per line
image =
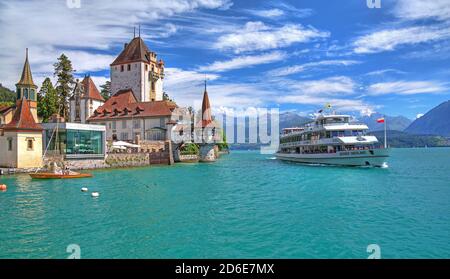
column 385, row 133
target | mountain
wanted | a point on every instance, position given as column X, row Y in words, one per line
column 290, row 119
column 402, row 139
column 435, row 122
column 394, row 123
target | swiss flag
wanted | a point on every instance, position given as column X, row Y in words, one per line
column 380, row 120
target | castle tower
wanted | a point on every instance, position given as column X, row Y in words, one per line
column 26, row 89
column 21, row 139
column 138, row 69
column 208, row 130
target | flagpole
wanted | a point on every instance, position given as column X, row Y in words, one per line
column 385, row 133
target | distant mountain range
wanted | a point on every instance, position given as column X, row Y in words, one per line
column 435, row 122
column 393, row 123
column 290, row 119
column 402, row 139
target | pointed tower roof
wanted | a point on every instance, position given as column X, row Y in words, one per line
column 90, row 90
column 206, row 109
column 22, row 119
column 135, row 51
column 27, row 77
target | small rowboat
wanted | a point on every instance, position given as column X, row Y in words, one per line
column 49, row 175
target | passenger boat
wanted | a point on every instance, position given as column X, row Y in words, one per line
column 49, row 175
column 332, row 140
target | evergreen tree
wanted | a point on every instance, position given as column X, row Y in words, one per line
column 106, row 90
column 64, row 73
column 48, row 101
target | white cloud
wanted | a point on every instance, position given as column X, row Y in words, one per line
column 338, row 91
column 268, row 13
column 244, row 62
column 389, row 40
column 285, row 71
column 422, row 9
column 258, row 36
column 327, row 86
column 383, row 72
column 407, row 88
column 50, row 28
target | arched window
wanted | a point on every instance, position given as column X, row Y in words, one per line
column 25, row 93
column 18, row 94
column 32, row 93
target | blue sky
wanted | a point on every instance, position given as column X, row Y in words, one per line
column 294, row 55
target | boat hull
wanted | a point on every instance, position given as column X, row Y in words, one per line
column 59, row 176
column 375, row 158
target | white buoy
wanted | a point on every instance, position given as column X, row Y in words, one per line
column 95, row 194
column 84, row 189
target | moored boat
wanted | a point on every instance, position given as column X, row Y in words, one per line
column 49, row 175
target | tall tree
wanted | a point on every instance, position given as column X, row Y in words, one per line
column 64, row 73
column 106, row 90
column 48, row 101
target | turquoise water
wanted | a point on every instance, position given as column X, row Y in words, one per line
column 246, row 205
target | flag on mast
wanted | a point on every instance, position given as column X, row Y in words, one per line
column 381, row 120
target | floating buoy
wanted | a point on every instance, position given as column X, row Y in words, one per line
column 3, row 187
column 84, row 189
column 95, row 194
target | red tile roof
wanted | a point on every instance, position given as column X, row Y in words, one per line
column 135, row 51
column 123, row 104
column 206, row 111
column 90, row 90
column 5, row 108
column 22, row 118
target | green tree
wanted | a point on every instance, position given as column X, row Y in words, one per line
column 48, row 101
column 190, row 149
column 223, row 145
column 6, row 95
column 64, row 86
column 106, row 90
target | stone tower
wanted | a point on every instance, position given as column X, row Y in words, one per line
column 26, row 89
column 208, row 130
column 138, row 69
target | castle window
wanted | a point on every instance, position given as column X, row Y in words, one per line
column 153, row 86
column 18, row 94
column 10, row 144
column 128, row 67
column 146, row 67
column 32, row 94
column 122, row 68
column 124, row 124
column 26, row 93
column 30, row 144
column 114, row 125
column 136, row 124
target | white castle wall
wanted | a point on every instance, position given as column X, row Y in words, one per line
column 137, row 79
column 128, row 79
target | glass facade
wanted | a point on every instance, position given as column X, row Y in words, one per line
column 76, row 142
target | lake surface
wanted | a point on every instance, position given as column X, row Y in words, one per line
column 246, row 205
